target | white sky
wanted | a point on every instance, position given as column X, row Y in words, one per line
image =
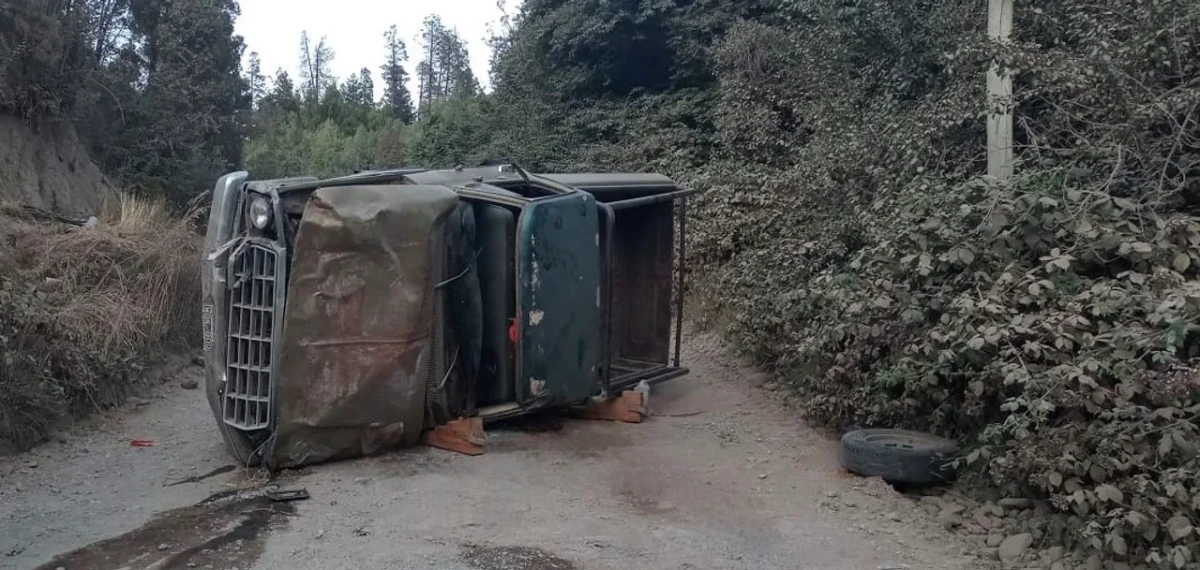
column 355, row 28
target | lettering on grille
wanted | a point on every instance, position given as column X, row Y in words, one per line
column 247, row 399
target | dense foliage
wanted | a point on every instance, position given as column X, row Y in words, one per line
column 329, row 128
column 154, row 88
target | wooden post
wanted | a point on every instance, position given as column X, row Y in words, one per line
column 999, row 93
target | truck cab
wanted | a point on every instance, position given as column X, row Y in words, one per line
column 350, row 315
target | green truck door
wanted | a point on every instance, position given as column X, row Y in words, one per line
column 558, row 294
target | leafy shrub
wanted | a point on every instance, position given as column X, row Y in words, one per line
column 1049, row 322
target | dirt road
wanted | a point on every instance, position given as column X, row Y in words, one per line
column 722, row 477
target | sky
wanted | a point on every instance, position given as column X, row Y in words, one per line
column 355, row 28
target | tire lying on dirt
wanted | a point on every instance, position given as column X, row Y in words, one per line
column 899, row 456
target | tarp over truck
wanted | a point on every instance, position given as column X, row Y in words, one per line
column 356, row 344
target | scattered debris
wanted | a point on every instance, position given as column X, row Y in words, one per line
column 189, row 384
column 198, row 478
column 280, row 496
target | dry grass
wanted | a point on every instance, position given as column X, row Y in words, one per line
column 83, row 310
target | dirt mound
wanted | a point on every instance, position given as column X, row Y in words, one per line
column 48, row 168
column 83, row 310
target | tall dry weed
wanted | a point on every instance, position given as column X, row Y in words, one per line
column 82, row 310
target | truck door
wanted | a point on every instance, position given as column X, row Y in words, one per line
column 558, row 300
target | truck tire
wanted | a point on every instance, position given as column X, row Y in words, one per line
column 899, row 456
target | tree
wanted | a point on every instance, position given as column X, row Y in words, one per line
column 315, row 62
column 396, row 97
column 256, row 81
column 282, row 96
column 445, row 71
column 189, row 121
column 359, row 89
column 366, row 95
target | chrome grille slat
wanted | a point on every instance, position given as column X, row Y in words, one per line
column 247, row 398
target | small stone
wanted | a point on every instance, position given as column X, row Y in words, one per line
column 831, row 494
column 1094, row 563
column 974, row 529
column 762, row 476
column 1055, row 553
column 1013, row 547
column 894, row 516
column 164, row 546
column 319, row 534
column 19, row 488
column 949, row 520
column 61, row 568
column 997, row 511
column 985, row 522
column 32, row 464
column 771, row 386
column 1015, row 503
column 139, row 402
column 198, row 360
column 189, row 384
column 994, row 539
column 1058, row 566
column 954, row 509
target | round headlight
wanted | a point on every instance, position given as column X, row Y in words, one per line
column 260, row 213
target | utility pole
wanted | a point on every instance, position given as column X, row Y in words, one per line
column 999, row 93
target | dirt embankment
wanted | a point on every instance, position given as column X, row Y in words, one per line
column 49, row 168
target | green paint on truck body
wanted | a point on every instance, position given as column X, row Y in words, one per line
column 558, row 283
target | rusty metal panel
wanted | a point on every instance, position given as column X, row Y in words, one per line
column 356, row 335
column 643, row 245
column 558, row 247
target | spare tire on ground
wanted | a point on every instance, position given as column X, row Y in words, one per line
column 899, row 456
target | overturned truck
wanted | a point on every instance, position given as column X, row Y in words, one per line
column 347, row 316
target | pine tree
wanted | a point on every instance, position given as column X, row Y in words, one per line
column 255, row 79
column 446, row 68
column 315, row 62
column 396, row 97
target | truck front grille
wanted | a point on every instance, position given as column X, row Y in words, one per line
column 252, row 304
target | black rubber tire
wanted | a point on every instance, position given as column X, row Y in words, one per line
column 899, row 456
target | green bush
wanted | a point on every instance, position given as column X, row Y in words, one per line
column 1048, row 323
